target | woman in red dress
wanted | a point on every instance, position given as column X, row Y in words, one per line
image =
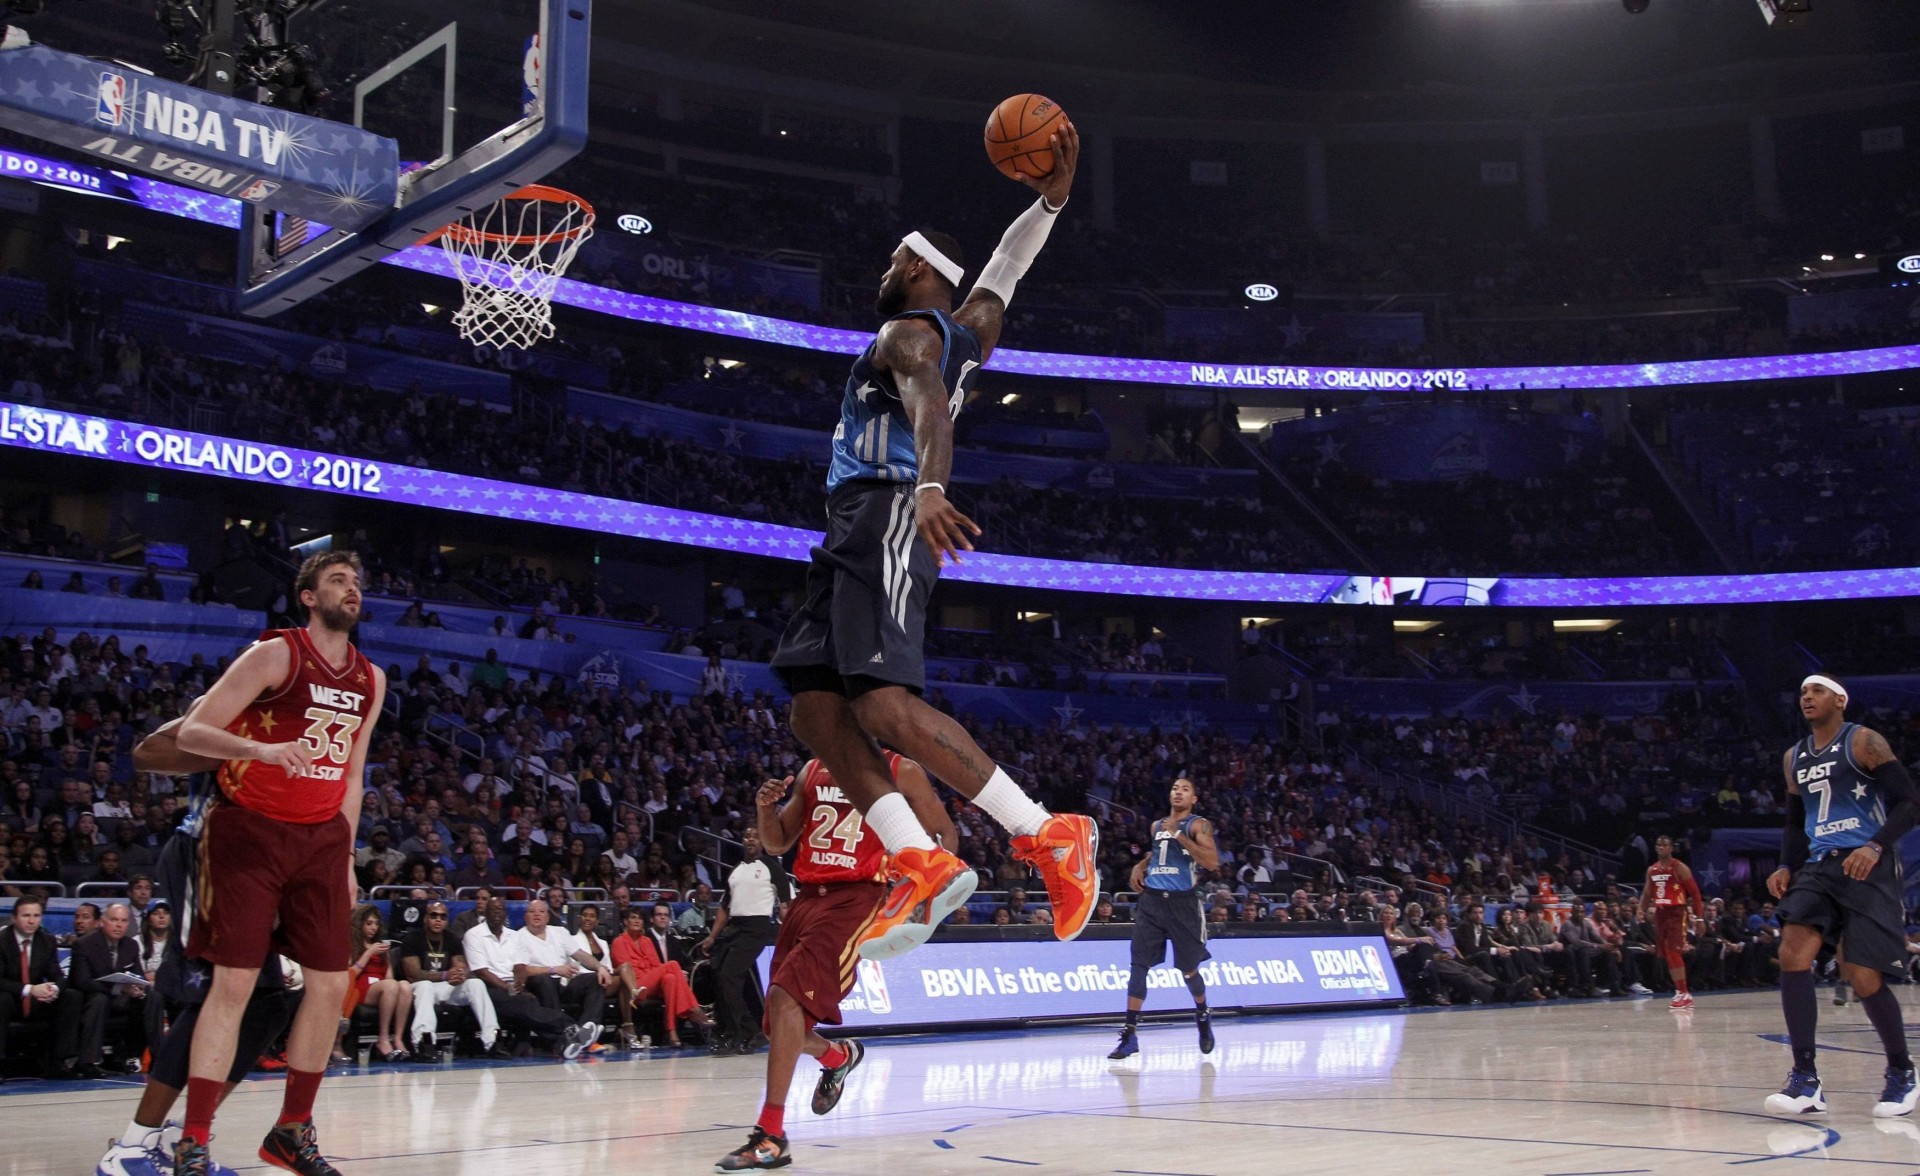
column 373, row 985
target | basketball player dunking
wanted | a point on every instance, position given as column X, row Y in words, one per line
column 840, row 869
column 1849, row 801
column 1669, row 891
column 1168, row 909
column 852, row 655
column 290, row 720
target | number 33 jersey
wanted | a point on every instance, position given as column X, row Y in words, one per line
column 1844, row 805
column 328, row 708
column 835, row 844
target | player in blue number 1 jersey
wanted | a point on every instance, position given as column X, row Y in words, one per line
column 1168, row 911
column 1849, row 801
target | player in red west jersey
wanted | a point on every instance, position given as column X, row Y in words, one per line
column 840, row 869
column 290, row 721
column 1669, row 891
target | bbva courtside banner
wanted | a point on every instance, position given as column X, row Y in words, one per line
column 951, row 982
column 329, row 172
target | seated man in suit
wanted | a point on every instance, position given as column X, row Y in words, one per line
column 31, row 987
column 106, row 951
column 644, row 970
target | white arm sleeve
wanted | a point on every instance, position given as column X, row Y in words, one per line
column 1017, row 249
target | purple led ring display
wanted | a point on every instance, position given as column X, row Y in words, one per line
column 1229, row 377
column 153, row 447
column 219, row 210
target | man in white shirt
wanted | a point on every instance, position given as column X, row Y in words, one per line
column 431, row 960
column 742, row 929
column 485, row 773
column 546, row 969
column 620, row 854
column 494, row 956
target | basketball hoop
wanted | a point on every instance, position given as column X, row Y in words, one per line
column 509, row 257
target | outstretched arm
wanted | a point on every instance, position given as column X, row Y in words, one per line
column 986, row 305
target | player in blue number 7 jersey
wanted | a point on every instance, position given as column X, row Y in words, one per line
column 1849, row 801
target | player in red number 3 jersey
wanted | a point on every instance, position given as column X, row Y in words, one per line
column 1669, row 891
column 290, row 720
column 840, row 868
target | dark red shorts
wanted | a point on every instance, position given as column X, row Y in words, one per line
column 814, row 959
column 270, row 885
column 1670, row 930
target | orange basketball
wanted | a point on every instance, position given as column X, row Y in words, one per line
column 1017, row 135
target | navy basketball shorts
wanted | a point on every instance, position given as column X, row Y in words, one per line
column 864, row 620
column 1169, row 916
column 1866, row 916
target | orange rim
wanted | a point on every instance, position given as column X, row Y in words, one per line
column 468, row 235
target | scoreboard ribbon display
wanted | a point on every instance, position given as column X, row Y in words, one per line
column 98, row 438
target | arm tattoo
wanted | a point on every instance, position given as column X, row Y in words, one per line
column 964, row 758
column 1872, row 749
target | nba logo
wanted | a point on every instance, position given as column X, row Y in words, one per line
column 873, row 982
column 532, row 69
column 112, row 104
column 259, row 190
column 1376, row 971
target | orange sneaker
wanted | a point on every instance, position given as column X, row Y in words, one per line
column 1065, row 852
column 928, row 885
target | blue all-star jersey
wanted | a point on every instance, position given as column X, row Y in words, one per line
column 874, row 438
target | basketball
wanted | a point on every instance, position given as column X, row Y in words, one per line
column 1017, row 133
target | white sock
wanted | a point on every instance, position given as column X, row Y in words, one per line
column 1004, row 801
column 892, row 818
column 136, row 1135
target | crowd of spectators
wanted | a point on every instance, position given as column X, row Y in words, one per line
column 1698, row 757
column 1799, row 480
column 1610, row 520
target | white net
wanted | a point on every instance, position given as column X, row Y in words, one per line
column 509, row 257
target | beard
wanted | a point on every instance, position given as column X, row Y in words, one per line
column 337, row 617
column 892, row 298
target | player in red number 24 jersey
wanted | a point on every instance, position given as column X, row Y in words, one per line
column 1669, row 891
column 840, row 868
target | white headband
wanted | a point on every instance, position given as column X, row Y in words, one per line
column 917, row 241
column 1823, row 680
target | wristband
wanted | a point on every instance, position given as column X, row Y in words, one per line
column 929, row 486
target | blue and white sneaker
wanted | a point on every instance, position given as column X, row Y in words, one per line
column 127, row 1159
column 1803, row 1096
column 1899, row 1094
column 152, row 1156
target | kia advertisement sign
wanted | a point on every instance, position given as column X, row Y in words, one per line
column 946, row 983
